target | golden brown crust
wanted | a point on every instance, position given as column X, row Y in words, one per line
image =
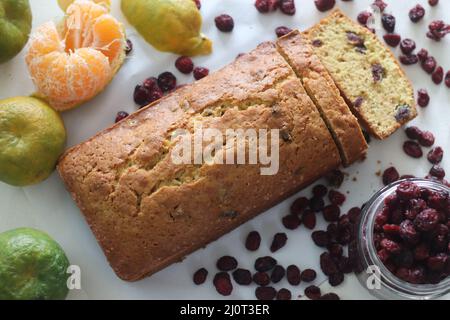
column 390, row 126
column 147, row 212
column 321, row 88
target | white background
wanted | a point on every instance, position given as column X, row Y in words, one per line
column 48, row 206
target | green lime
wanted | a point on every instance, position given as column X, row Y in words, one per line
column 15, row 27
column 32, row 266
column 32, row 137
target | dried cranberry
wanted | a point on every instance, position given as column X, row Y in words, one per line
column 435, row 155
column 293, row 275
column 438, row 75
column 242, row 277
column 409, row 59
column 121, row 115
column 308, row 275
column 327, row 264
column 426, row 139
column 390, row 245
column 407, row 190
column 427, row 220
column 335, row 178
column 416, row 13
column 413, row 132
column 336, row 197
column 316, row 204
column 128, row 47
column 226, row 263
column 200, row 276
column 320, row 238
column 198, row 4
column 288, row 7
column 355, row 39
column 265, row 6
column 141, row 95
column 309, row 219
column 282, row 31
column 388, row 21
column 320, row 190
column 313, row 292
column 423, row 99
column 392, row 39
column 408, row 232
column 429, row 64
column 224, row 23
column 324, row 5
column 261, row 278
column 438, row 262
column 422, row 55
column 317, row 43
column 354, row 214
column 330, row 296
column 279, row 241
column 265, row 293
column 299, row 205
column 278, row 273
column 336, row 250
column 253, row 241
column 336, row 279
column 377, row 72
column 291, row 221
column 380, row 4
column 331, row 213
column 390, row 175
column 391, row 229
column 437, row 30
column 284, row 294
column 403, row 112
column 184, row 65
column 223, row 284
column 200, row 73
column 421, row 252
column 437, row 171
column 433, row 2
column 363, row 17
column 447, row 79
column 167, row 81
column 264, row 264
column 407, row 46
column 412, row 149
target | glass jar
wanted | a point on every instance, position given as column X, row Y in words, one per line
column 375, row 277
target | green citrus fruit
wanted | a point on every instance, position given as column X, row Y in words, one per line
column 32, row 266
column 32, row 137
column 15, row 27
column 168, row 25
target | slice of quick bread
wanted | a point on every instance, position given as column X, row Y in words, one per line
column 320, row 86
column 366, row 72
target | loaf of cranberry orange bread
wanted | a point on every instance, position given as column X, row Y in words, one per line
column 341, row 122
column 366, row 72
column 148, row 212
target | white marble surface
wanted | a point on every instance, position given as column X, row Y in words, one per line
column 48, row 206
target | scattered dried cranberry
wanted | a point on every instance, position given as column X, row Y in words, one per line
column 320, row 190
column 437, row 30
column 320, row 238
column 316, row 204
column 278, row 273
column 226, row 263
column 184, row 65
column 291, row 221
column 324, row 5
column 128, row 47
column 413, row 132
column 293, row 275
column 308, row 275
column 279, row 241
column 265, row 6
column 407, row 46
column 409, row 59
column 331, row 213
column 309, row 219
column 429, row 64
column 167, row 81
column 447, row 79
column 363, row 17
column 200, row 73
column 422, row 55
column 437, row 171
column 253, row 241
column 313, row 292
column 435, row 155
column 412, row 149
column 336, row 197
column 224, row 23
column 327, row 264
column 330, row 296
column 388, row 21
column 336, row 250
column 433, row 2
column 141, row 95
column 265, row 293
column 335, row 178
column 223, row 284
column 282, row 31
column 426, row 139
column 121, row 115
column 392, row 39
column 423, row 99
column 242, row 277
column 288, row 7
column 354, row 214
column 200, row 276
column 299, row 205
column 261, row 278
column 438, row 75
column 284, row 294
column 416, row 13
column 380, row 4
column 336, row 279
column 264, row 264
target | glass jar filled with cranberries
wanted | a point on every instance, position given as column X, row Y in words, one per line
column 403, row 241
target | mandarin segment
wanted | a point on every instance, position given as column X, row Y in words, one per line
column 72, row 64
